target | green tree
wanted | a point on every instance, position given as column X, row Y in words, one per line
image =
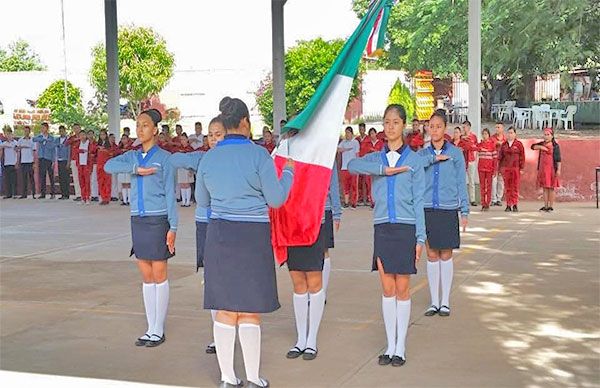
column 53, row 97
column 401, row 95
column 520, row 38
column 305, row 66
column 145, row 65
column 19, row 57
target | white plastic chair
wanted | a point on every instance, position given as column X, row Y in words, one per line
column 507, row 110
column 570, row 114
column 521, row 118
column 537, row 117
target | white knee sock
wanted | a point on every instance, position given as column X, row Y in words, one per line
column 403, row 318
column 185, row 198
column 326, row 271
column 149, row 293
column 128, row 194
column 225, row 342
column 447, row 274
column 317, row 305
column 433, row 276
column 162, row 304
column 250, row 341
column 213, row 314
column 388, row 306
column 124, row 194
column 301, row 313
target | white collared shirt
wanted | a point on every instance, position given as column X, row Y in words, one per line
column 83, row 156
column 392, row 157
column 10, row 153
column 27, row 152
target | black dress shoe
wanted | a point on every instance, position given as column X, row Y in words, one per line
column 308, row 356
column 114, row 199
column 23, row 197
column 211, row 349
column 384, row 359
column 473, row 203
column 543, row 209
column 264, row 383
column 78, row 199
column 398, row 361
column 42, row 197
column 227, row 385
column 143, row 340
column 431, row 311
column 550, row 209
column 508, row 209
column 7, row 196
column 515, row 208
column 295, row 352
column 154, row 342
column 94, row 199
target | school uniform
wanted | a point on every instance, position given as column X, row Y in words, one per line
column 498, row 179
column 333, row 208
column 125, row 177
column 362, row 188
column 399, row 225
column 26, row 147
column 398, row 214
column 184, row 175
column 349, row 181
column 547, row 165
column 84, row 168
column 94, row 170
column 445, row 195
column 487, row 167
column 153, row 208
column 511, row 160
column 191, row 161
column 73, row 142
column 46, row 149
column 104, row 179
column 237, row 180
column 471, row 163
column 10, row 162
column 63, row 156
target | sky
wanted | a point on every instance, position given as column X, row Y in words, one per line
column 203, row 34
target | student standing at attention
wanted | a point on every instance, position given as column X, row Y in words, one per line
column 153, row 220
column 398, row 185
column 445, row 196
column 238, row 181
column 191, row 161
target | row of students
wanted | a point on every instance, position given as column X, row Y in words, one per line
column 417, row 200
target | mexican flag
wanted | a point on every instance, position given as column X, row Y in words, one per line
column 298, row 221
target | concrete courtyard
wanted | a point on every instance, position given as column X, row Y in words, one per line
column 525, row 305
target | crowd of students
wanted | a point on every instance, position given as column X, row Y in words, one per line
column 416, row 183
column 498, row 160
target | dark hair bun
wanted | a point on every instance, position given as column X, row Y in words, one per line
column 233, row 110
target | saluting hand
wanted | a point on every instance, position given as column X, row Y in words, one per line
column 171, row 241
column 143, row 171
column 396, row 170
column 441, row 157
column 464, row 221
column 290, row 163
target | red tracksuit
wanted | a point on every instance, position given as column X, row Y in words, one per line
column 104, row 179
column 85, row 171
column 415, row 140
column 363, row 187
column 487, row 166
column 269, row 146
column 511, row 160
column 366, row 147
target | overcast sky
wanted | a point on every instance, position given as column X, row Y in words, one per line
column 203, row 34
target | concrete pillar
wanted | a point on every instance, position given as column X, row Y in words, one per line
column 112, row 67
column 279, row 110
column 474, row 78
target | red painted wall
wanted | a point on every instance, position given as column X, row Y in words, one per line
column 579, row 161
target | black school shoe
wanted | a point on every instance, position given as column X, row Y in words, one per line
column 309, row 356
column 114, row 199
column 295, row 352
column 444, row 311
column 211, row 349
column 508, row 209
column 154, row 343
column 227, row 385
column 143, row 340
column 431, row 311
column 550, row 209
column 515, row 208
column 398, row 361
column 543, row 209
column 384, row 360
column 264, row 383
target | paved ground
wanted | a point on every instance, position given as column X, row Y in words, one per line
column 525, row 305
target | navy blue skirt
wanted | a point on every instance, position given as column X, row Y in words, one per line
column 395, row 246
column 442, row 229
column 308, row 258
column 327, row 231
column 149, row 237
column 239, row 267
column 200, row 243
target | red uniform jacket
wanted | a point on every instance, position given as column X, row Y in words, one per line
column 106, row 153
column 415, row 140
column 470, row 155
column 381, row 136
column 367, row 146
column 269, row 146
column 73, row 141
column 466, row 146
column 488, row 156
column 91, row 158
column 512, row 156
